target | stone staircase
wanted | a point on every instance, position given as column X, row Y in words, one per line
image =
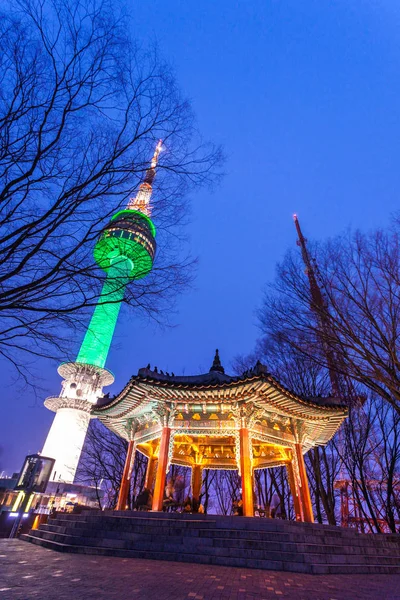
column 230, row 541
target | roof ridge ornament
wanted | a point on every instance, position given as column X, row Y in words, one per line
column 260, row 369
column 216, row 366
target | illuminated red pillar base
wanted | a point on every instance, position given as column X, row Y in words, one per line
column 148, row 482
column 305, row 495
column 159, row 487
column 196, row 483
column 294, row 489
column 126, row 479
column 246, row 476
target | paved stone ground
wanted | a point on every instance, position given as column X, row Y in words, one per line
column 29, row 572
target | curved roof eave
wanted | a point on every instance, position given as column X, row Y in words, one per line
column 140, row 385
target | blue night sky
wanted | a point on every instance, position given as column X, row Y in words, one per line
column 304, row 96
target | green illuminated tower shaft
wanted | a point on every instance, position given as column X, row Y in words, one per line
column 125, row 251
column 97, row 341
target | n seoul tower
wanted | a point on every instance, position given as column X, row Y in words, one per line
column 125, row 251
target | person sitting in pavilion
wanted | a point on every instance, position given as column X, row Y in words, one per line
column 179, row 490
column 277, row 507
column 169, row 502
column 144, row 500
column 237, row 508
column 188, row 505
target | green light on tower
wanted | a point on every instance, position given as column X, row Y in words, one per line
column 97, row 341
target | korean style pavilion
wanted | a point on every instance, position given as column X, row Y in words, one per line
column 218, row 421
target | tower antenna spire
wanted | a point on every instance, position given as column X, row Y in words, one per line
column 319, row 307
column 150, row 173
column 141, row 201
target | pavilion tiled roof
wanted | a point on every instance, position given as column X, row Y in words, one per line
column 215, row 391
column 172, row 387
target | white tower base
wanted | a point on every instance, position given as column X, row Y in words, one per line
column 65, row 442
column 81, row 388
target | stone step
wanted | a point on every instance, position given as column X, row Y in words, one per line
column 245, row 523
column 221, row 522
column 352, row 569
column 150, row 522
column 303, row 548
column 260, row 543
column 187, row 546
column 277, row 565
column 170, row 556
column 226, row 521
column 239, row 523
column 171, row 547
column 166, row 528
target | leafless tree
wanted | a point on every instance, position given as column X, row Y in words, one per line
column 81, row 108
column 371, row 455
column 102, row 466
column 359, row 276
column 225, row 490
column 268, row 482
column 206, row 494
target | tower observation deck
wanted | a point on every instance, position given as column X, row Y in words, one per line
column 125, row 251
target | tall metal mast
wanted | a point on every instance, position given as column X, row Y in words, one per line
column 342, row 386
column 319, row 307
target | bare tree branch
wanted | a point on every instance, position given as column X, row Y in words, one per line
column 81, row 106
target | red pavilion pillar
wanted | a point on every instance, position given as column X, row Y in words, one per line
column 126, row 478
column 162, row 465
column 196, row 482
column 308, row 515
column 151, row 463
column 245, row 471
column 294, row 489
